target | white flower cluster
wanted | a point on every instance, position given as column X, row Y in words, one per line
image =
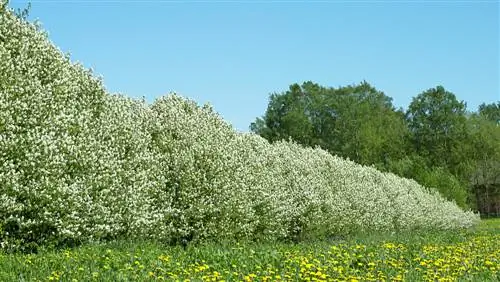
column 77, row 163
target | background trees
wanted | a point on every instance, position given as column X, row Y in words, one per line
column 484, row 128
column 435, row 141
column 436, row 120
column 358, row 121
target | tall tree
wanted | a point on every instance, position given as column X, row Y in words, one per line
column 484, row 149
column 355, row 121
column 490, row 111
column 287, row 117
column 437, row 122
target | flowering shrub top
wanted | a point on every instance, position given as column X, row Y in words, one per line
column 79, row 164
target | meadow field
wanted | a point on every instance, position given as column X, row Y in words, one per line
column 471, row 255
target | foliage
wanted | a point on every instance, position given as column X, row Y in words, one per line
column 79, row 165
column 465, row 145
column 490, row 111
column 436, row 120
column 435, row 142
column 415, row 167
column 485, row 144
column 485, row 150
column 357, row 122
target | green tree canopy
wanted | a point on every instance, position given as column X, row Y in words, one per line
column 490, row 111
column 356, row 121
column 437, row 122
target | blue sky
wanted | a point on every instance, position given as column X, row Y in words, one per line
column 233, row 54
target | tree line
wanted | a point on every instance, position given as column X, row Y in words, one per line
column 436, row 141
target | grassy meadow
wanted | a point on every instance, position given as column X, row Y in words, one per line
column 471, row 255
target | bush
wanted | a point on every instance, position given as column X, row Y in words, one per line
column 78, row 164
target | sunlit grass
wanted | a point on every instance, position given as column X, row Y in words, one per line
column 471, row 255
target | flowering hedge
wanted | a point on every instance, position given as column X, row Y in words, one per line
column 79, row 164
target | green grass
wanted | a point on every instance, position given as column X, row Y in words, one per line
column 471, row 255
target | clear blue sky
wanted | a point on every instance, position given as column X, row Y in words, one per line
column 233, row 54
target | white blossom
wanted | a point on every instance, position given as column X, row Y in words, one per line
column 90, row 165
